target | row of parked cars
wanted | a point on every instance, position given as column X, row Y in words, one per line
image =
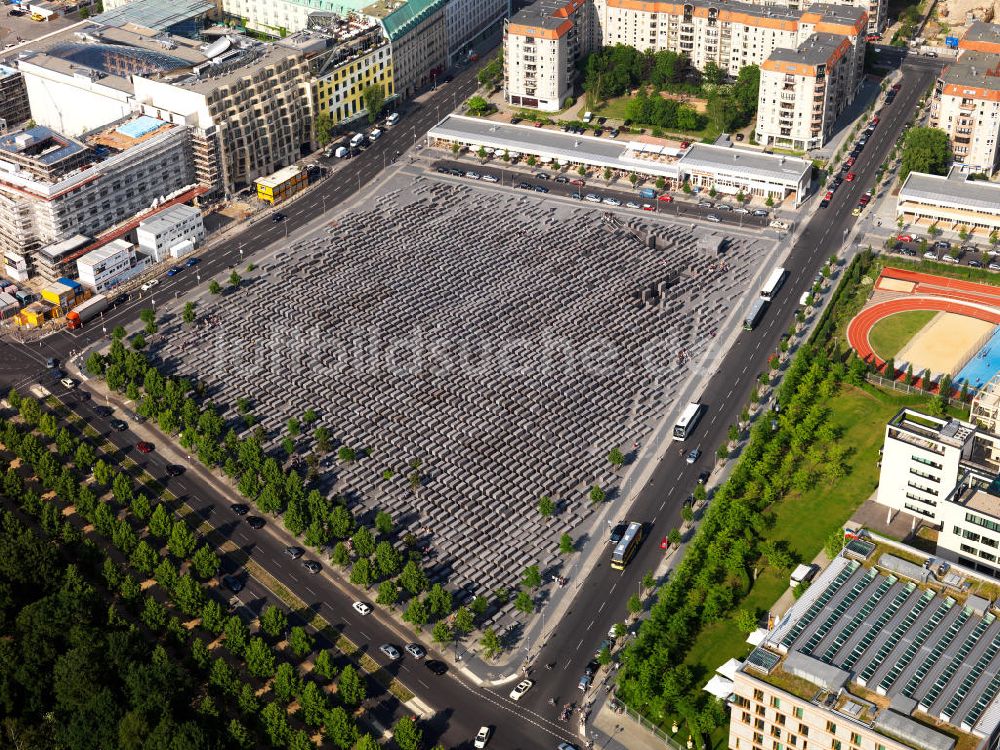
column 944, row 251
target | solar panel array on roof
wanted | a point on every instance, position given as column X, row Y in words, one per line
column 763, row 660
column 860, row 548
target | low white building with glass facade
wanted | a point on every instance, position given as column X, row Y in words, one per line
column 110, row 265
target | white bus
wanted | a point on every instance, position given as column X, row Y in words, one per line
column 690, row 417
column 773, row 284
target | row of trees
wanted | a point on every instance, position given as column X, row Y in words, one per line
column 252, row 659
column 370, row 554
column 734, row 540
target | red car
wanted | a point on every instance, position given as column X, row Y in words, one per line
column 904, row 237
column 897, row 87
column 685, row 144
column 665, row 198
column 828, row 196
column 664, row 543
column 143, row 447
column 647, row 207
column 850, row 177
column 577, row 181
column 875, row 120
column 850, row 161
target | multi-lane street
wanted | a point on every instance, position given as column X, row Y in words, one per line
column 460, row 707
column 602, row 601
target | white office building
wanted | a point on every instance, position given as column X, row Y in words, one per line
column 172, row 226
column 103, row 268
column 467, row 19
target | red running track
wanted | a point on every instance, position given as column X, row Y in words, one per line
column 933, row 284
column 861, row 325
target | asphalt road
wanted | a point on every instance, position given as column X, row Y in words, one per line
column 602, row 601
column 462, row 708
column 676, row 208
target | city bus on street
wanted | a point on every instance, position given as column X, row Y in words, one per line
column 626, row 548
column 690, row 417
column 755, row 314
column 773, row 284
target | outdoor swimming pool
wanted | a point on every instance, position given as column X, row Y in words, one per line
column 984, row 364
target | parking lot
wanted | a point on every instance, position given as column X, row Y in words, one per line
column 598, row 191
column 15, row 29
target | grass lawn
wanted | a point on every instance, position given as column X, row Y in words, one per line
column 892, row 333
column 614, row 109
column 805, row 521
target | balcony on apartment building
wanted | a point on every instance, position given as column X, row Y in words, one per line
column 967, row 105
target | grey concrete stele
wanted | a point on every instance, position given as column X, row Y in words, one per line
column 504, row 341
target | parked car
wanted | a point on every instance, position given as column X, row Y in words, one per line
column 174, row 270
column 612, row 201
column 713, row 218
column 592, row 198
column 174, row 470
column 361, row 608
column 584, row 682
column 942, row 245
column 312, row 566
column 294, row 552
column 240, row 509
column 192, row 262
column 665, row 198
column 490, row 178
column 143, row 447
column 68, row 382
column 255, row 522
column 416, row 650
column 930, row 255
column 119, row 425
column 278, row 217
column 850, row 177
column 904, row 237
column 232, row 583
column 435, row 666
column 149, row 285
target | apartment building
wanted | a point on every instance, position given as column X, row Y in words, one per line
column 879, row 653
column 970, row 524
column 104, row 268
column 803, row 91
column 966, row 105
column 249, row 108
column 732, row 35
column 468, row 20
column 419, row 37
column 347, row 54
column 53, row 187
column 921, row 459
column 277, row 18
column 169, row 228
column 14, row 109
column 542, row 45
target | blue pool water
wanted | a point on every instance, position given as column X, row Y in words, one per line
column 984, row 364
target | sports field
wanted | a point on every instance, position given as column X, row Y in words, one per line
column 893, row 332
column 946, row 343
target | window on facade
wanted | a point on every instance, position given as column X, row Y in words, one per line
column 855, row 738
column 798, row 712
column 831, row 727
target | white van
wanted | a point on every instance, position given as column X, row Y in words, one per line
column 375, row 134
column 779, row 224
column 340, row 153
column 588, row 116
column 804, row 299
column 392, row 119
column 357, row 140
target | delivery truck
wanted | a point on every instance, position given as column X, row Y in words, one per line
column 89, row 310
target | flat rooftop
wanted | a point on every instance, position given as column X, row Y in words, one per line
column 929, row 656
column 982, row 33
column 951, row 191
column 545, row 14
column 978, row 69
column 702, row 156
column 168, row 217
column 953, row 432
column 157, row 15
column 816, row 50
column 101, row 254
column 40, row 144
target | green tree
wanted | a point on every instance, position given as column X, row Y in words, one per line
column 275, row 723
column 523, row 602
column 148, row 316
column 287, row 684
column 143, row 558
column 273, row 621
column 712, row 73
column 566, row 544
column 413, row 578
column 406, row 734
column 616, row 458
column 478, row 106
column 925, row 150
column 364, row 542
column 490, row 643
column 259, row 658
column 350, row 688
column 300, row 641
column 182, row 540
column 234, row 279
column 339, row 555
column 325, row 128
column 546, row 507
column 361, row 572
column 531, row 578
column 439, row 601
column 634, row 604
column 383, row 523
column 323, row 665
column 463, row 622
column 745, row 620
column 388, row 593
column 214, row 287
column 373, row 97
column 416, row 613
column 205, row 562
column 188, row 315
column 340, row 729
